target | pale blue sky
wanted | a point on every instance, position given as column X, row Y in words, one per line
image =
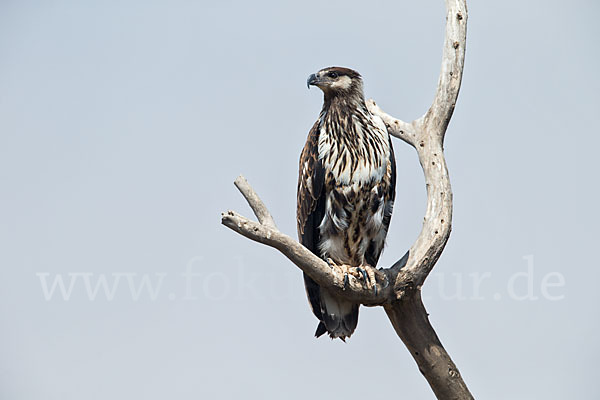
column 124, row 124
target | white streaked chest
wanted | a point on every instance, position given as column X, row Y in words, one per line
column 355, row 154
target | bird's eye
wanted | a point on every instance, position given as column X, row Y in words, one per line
column 332, row 74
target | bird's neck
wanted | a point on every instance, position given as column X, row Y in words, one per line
column 343, row 104
column 347, row 120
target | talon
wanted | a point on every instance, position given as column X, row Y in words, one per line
column 330, row 262
column 364, row 274
column 346, row 280
column 375, row 288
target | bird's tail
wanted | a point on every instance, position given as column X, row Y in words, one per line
column 339, row 317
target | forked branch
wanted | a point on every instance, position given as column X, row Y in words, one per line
column 400, row 285
column 315, row 267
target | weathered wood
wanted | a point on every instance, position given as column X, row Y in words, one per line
column 411, row 322
column 333, row 278
column 400, row 285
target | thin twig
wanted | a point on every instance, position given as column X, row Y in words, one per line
column 255, row 203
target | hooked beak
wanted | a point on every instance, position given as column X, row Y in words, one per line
column 312, row 80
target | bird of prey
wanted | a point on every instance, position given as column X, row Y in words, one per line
column 346, row 190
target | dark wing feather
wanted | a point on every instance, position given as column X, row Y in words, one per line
column 373, row 251
column 311, row 208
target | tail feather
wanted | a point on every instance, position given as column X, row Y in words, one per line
column 321, row 329
column 339, row 317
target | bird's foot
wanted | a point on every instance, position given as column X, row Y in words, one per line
column 343, row 268
column 364, row 274
column 368, row 277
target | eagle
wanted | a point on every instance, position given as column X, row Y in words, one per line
column 346, row 191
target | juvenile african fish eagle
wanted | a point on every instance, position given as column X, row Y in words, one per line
column 346, row 191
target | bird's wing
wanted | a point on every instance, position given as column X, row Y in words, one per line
column 310, row 188
column 311, row 207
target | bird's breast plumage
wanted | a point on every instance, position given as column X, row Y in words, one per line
column 355, row 154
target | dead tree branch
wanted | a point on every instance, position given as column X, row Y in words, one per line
column 314, row 266
column 400, row 293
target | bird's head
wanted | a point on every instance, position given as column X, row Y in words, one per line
column 336, row 81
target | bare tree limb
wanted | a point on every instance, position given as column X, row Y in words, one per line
column 255, row 203
column 426, row 134
column 453, row 59
column 355, row 290
column 400, row 129
column 409, row 318
column 400, row 285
